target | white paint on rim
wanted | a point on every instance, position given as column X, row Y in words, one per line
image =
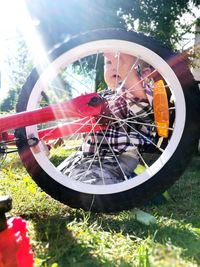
column 108, row 46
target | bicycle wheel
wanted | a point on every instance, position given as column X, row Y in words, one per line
column 71, row 71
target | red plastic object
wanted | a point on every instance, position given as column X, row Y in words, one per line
column 15, row 248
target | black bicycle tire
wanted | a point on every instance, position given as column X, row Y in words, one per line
column 164, row 179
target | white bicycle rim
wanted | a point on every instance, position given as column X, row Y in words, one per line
column 108, row 46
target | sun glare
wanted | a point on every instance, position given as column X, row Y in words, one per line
column 27, row 28
column 7, row 35
column 15, row 17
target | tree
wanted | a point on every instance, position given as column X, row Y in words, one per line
column 63, row 19
column 19, row 65
column 158, row 18
column 195, row 53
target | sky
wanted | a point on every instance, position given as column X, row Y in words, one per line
column 13, row 15
column 189, row 18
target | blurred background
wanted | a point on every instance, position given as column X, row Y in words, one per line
column 29, row 29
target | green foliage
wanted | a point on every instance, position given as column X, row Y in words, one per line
column 9, row 102
column 62, row 19
column 19, row 66
column 159, row 19
column 61, row 236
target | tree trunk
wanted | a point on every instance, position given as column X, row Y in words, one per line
column 196, row 69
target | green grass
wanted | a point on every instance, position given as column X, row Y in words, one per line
column 62, row 236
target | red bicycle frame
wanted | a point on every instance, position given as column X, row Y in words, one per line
column 85, row 107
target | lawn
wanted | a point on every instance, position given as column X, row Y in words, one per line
column 61, row 236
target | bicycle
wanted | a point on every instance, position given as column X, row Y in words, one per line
column 42, row 116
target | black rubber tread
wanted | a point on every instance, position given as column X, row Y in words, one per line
column 165, row 178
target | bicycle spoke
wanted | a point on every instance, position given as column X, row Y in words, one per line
column 149, row 140
column 128, row 74
column 149, row 124
column 113, row 120
column 140, row 156
column 99, row 158
column 118, row 57
column 62, row 165
column 72, row 136
column 131, row 89
column 96, row 61
column 97, row 152
column 76, row 83
column 123, row 82
column 125, row 177
column 78, row 80
column 94, row 154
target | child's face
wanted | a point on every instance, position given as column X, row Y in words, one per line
column 116, row 68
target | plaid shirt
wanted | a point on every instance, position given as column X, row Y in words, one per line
column 126, row 130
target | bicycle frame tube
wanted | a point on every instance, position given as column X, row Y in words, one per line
column 78, row 107
column 79, row 126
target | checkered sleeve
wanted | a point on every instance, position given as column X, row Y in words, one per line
column 122, row 135
column 141, row 109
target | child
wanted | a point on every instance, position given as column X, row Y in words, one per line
column 111, row 156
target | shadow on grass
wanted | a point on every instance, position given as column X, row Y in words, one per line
column 178, row 236
column 188, row 241
column 63, row 248
column 60, row 245
column 178, row 219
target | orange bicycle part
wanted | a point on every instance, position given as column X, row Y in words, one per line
column 161, row 108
